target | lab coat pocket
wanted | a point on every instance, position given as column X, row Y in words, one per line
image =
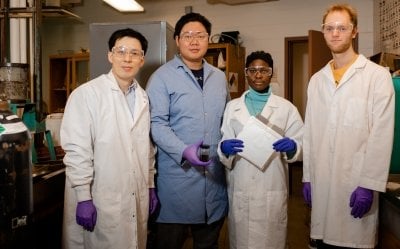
column 355, row 114
column 108, row 210
column 272, row 219
column 275, row 207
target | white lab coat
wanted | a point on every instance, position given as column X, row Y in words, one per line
column 110, row 158
column 258, row 199
column 348, row 139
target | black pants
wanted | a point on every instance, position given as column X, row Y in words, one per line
column 322, row 245
column 173, row 236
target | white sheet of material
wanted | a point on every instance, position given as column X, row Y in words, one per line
column 258, row 139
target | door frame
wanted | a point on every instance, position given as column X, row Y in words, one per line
column 289, row 43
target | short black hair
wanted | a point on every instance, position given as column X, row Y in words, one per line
column 192, row 17
column 127, row 32
column 260, row 55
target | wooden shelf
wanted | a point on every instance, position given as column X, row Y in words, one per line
column 234, row 58
column 67, row 71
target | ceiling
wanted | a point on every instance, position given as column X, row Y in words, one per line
column 235, row 2
column 230, row 2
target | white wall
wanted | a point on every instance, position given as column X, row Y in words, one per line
column 262, row 26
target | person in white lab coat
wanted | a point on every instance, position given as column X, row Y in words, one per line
column 348, row 137
column 109, row 159
column 257, row 216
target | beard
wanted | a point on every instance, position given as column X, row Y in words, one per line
column 340, row 48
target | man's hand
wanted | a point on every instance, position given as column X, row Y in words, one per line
column 361, row 201
column 191, row 154
column 86, row 215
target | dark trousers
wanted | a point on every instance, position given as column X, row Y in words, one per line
column 173, row 236
column 322, row 245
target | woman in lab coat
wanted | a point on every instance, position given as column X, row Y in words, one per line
column 109, row 158
column 258, row 196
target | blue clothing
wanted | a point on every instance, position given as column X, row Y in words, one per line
column 182, row 114
column 130, row 97
column 255, row 101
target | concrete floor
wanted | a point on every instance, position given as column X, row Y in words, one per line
column 299, row 213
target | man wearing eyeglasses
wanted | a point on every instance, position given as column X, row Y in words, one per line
column 109, row 158
column 187, row 100
column 348, row 139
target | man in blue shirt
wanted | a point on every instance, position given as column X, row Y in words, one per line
column 187, row 100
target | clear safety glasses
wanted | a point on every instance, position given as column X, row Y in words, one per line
column 122, row 51
column 189, row 36
column 265, row 71
column 329, row 28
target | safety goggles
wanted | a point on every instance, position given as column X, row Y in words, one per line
column 329, row 28
column 123, row 51
column 189, row 36
column 265, row 71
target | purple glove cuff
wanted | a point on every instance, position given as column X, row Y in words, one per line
column 153, row 200
column 307, row 193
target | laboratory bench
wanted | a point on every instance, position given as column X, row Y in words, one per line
column 389, row 215
column 48, row 202
column 40, row 227
column 48, row 180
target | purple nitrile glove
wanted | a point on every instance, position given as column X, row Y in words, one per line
column 231, row 146
column 285, row 145
column 153, row 200
column 190, row 154
column 361, row 201
column 86, row 215
column 307, row 193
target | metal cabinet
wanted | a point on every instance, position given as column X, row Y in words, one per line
column 161, row 46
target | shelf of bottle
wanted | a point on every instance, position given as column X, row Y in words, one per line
column 29, row 11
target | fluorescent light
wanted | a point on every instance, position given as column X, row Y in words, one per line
column 125, row 5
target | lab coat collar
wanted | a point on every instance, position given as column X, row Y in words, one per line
column 360, row 63
column 115, row 86
column 267, row 111
column 141, row 99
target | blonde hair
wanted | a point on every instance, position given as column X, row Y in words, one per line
column 342, row 7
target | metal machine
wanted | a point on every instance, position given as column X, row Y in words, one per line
column 16, row 198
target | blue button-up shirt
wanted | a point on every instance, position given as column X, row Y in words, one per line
column 182, row 114
column 130, row 97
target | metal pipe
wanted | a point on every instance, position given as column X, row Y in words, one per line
column 3, row 28
column 37, row 19
column 14, row 36
column 22, row 35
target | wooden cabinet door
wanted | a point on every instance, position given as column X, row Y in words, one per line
column 318, row 51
